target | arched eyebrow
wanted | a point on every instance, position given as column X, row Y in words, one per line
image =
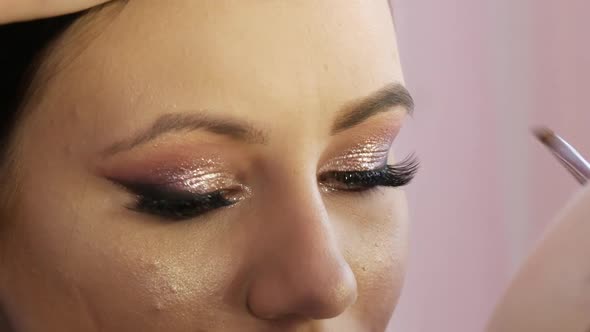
column 386, row 99
column 383, row 100
column 192, row 121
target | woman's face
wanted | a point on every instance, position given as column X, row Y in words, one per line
column 206, row 166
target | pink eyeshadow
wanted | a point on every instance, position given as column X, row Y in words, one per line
column 365, row 156
column 200, row 175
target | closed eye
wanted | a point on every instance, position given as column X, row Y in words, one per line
column 177, row 205
column 397, row 175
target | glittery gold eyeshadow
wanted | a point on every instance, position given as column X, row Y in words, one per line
column 385, row 176
column 362, row 157
column 368, row 154
column 364, row 166
column 185, row 191
column 198, row 179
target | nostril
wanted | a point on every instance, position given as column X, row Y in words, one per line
column 5, row 324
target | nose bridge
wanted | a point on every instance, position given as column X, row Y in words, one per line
column 301, row 271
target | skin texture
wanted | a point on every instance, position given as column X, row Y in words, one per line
column 289, row 257
column 22, row 10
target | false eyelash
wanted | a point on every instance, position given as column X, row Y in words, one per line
column 174, row 205
column 180, row 209
column 178, row 205
column 388, row 176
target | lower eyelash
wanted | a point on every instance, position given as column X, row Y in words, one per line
column 388, row 176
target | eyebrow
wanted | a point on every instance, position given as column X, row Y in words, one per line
column 353, row 114
column 386, row 99
column 235, row 129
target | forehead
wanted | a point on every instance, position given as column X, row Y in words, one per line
column 287, row 56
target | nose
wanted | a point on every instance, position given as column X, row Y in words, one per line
column 301, row 272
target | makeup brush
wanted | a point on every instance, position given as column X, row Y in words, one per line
column 565, row 153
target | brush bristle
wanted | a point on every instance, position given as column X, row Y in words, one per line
column 544, row 134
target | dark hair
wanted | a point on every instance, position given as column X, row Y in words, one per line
column 23, row 44
column 22, row 48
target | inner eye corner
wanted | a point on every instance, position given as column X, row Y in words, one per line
column 323, row 176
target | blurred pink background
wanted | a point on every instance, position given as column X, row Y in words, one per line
column 483, row 73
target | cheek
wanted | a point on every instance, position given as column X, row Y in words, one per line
column 158, row 281
column 91, row 258
column 373, row 232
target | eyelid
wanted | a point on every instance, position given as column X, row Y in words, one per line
column 168, row 165
column 360, row 158
column 396, row 175
column 197, row 180
column 169, row 203
column 206, row 182
column 185, row 188
column 365, row 149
